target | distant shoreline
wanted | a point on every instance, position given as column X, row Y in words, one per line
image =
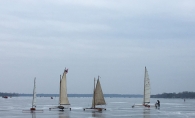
column 86, row 95
column 91, row 95
column 75, row 95
column 182, row 95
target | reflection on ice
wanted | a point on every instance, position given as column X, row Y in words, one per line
column 146, row 113
column 116, row 108
column 33, row 115
column 63, row 114
column 97, row 114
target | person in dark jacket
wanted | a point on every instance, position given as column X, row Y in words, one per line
column 157, row 105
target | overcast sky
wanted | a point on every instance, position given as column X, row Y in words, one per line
column 110, row 38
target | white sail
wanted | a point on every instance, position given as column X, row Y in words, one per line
column 34, row 95
column 146, row 98
column 98, row 97
column 63, row 98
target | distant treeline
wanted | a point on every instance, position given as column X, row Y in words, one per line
column 72, row 95
column 86, row 95
column 9, row 94
column 184, row 94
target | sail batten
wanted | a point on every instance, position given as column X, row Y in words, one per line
column 146, row 98
column 63, row 98
column 98, row 97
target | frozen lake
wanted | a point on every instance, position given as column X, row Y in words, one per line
column 116, row 108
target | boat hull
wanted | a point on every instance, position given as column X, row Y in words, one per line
column 94, row 109
column 60, row 107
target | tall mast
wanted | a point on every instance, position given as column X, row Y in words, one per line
column 144, row 85
column 94, row 94
column 34, row 94
column 60, row 91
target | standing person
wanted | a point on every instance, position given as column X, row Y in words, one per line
column 157, row 105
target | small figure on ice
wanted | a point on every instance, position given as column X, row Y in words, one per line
column 157, row 105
